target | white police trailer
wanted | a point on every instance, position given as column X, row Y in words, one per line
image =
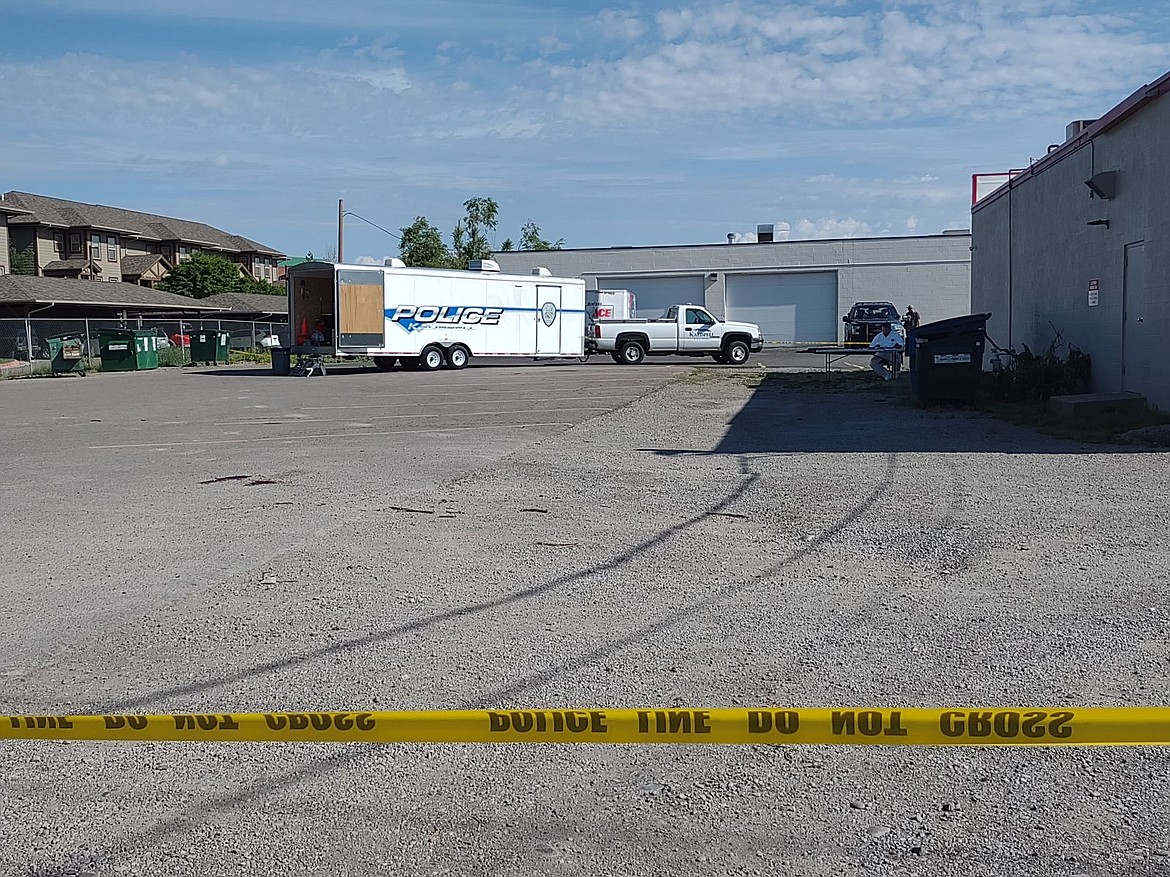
column 433, row 318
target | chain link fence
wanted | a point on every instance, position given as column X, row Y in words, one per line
column 25, row 341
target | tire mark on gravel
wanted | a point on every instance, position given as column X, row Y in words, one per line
column 322, row 767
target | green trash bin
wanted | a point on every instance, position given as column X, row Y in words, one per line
column 127, row 350
column 66, row 355
column 209, row 346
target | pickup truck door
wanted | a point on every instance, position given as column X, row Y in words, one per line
column 698, row 330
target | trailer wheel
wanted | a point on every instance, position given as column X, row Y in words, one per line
column 719, row 358
column 384, row 363
column 410, row 363
column 736, row 353
column 632, row 353
column 432, row 358
column 616, row 357
column 458, row 356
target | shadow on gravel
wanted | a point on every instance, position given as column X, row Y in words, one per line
column 352, row 755
column 857, row 413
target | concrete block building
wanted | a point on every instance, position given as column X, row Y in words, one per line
column 797, row 291
column 1079, row 243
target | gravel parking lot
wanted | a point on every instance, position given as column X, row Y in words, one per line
column 569, row 536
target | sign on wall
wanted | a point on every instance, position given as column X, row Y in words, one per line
column 1094, row 292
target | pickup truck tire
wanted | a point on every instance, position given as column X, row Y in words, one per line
column 410, row 363
column 384, row 363
column 736, row 353
column 458, row 357
column 432, row 358
column 631, row 353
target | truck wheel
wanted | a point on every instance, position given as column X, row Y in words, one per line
column 384, row 363
column 458, row 356
column 631, row 353
column 432, row 358
column 736, row 353
column 410, row 363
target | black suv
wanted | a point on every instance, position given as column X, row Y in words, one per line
column 866, row 318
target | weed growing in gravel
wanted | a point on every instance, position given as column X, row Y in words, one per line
column 1114, row 429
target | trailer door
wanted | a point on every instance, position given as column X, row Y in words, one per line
column 548, row 320
column 361, row 309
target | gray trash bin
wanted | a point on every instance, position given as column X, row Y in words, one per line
column 281, row 360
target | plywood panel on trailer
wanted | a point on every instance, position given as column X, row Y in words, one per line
column 362, row 311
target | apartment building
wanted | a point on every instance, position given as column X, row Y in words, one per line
column 94, row 242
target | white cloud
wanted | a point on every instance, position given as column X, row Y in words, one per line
column 832, row 227
column 911, row 223
column 798, row 63
column 617, row 24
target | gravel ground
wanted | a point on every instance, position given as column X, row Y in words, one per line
column 709, row 545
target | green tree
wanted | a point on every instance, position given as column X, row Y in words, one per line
column 530, row 238
column 260, row 287
column 421, row 245
column 21, row 261
column 469, row 239
column 202, row 275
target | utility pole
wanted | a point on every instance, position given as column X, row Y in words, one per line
column 340, row 230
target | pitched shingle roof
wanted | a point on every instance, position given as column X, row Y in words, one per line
column 20, row 289
column 72, row 265
column 138, row 265
column 250, row 302
column 42, row 210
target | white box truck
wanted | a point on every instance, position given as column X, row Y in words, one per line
column 433, row 318
column 606, row 304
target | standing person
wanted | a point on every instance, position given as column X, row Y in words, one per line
column 910, row 320
column 888, row 344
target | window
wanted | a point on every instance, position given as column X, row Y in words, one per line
column 184, row 253
column 74, row 243
column 95, row 246
column 111, row 249
column 59, row 243
column 696, row 317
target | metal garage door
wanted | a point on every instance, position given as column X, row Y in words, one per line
column 653, row 295
column 787, row 307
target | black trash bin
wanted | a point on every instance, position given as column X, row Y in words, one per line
column 946, row 358
column 281, row 360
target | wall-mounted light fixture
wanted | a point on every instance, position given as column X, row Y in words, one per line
column 712, row 276
column 1103, row 185
column 1104, row 222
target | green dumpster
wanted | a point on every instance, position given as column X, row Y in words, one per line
column 65, row 355
column 209, row 345
column 127, row 350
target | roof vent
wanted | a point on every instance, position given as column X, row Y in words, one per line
column 1074, row 128
column 484, row 266
column 764, row 233
column 394, row 263
column 541, row 272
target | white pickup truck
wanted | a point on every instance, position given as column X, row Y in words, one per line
column 683, row 330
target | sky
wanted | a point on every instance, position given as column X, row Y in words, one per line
column 605, row 124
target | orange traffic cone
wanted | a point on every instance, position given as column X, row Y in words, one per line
column 304, row 336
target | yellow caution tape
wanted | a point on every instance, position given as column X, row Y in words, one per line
column 967, row 726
